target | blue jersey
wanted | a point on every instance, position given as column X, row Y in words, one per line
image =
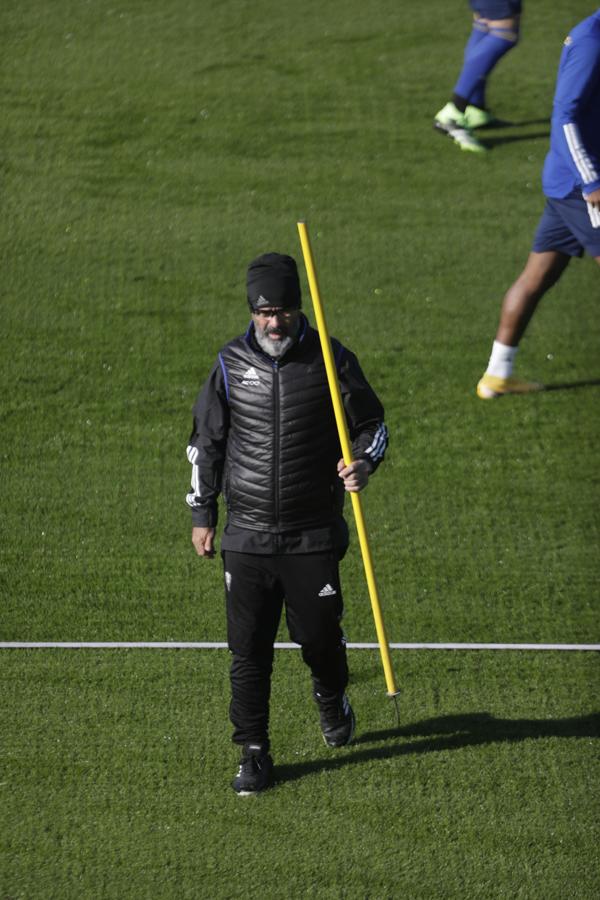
column 573, row 162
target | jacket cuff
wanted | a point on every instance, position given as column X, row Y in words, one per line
column 370, row 462
column 590, row 188
column 204, row 517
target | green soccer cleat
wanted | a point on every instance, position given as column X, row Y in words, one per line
column 450, row 116
column 491, row 387
column 475, row 117
column 449, row 120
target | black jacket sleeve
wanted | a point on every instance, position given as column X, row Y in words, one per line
column 364, row 412
column 206, row 448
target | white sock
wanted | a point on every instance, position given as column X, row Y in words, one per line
column 502, row 360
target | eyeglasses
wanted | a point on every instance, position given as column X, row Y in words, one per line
column 271, row 313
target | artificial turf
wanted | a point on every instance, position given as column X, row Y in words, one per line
column 149, row 152
column 117, row 766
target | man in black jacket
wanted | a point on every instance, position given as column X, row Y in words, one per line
column 265, row 436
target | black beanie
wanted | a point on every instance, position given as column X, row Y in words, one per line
column 272, row 281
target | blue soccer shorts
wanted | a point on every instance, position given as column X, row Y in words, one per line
column 566, row 227
column 496, row 9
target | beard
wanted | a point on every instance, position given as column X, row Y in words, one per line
column 276, row 348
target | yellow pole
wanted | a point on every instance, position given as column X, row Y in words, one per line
column 342, row 427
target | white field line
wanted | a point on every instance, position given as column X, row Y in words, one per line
column 218, row 645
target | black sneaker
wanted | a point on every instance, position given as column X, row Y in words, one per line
column 337, row 719
column 255, row 772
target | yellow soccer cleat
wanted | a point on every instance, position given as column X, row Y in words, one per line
column 490, row 386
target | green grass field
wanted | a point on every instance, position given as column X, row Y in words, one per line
column 150, row 151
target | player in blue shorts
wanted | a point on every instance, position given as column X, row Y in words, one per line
column 495, row 31
column 570, row 223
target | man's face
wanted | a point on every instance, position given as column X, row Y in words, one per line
column 276, row 327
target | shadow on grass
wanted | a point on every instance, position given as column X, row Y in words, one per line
column 443, row 733
column 506, row 123
column 570, row 385
column 490, row 142
column 489, row 139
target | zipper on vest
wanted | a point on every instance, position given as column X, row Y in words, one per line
column 276, row 437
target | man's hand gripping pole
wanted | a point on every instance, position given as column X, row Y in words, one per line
column 342, row 427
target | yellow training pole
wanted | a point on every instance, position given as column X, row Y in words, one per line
column 342, row 428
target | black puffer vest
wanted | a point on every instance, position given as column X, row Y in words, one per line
column 282, row 448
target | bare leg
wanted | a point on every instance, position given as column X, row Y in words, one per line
column 541, row 271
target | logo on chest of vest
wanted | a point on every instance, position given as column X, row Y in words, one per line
column 250, row 377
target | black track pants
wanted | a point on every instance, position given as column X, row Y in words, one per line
column 256, row 588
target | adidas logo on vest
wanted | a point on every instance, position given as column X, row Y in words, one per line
column 251, row 377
